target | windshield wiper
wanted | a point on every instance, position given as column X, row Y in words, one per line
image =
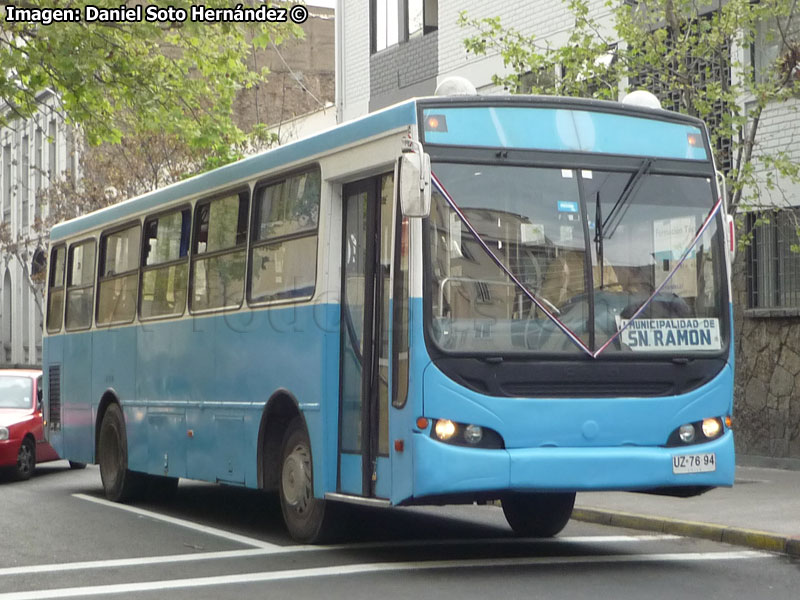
column 620, row 206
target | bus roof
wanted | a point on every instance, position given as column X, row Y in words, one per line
column 388, row 119
column 365, row 127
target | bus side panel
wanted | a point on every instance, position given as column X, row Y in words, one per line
column 257, row 354
column 175, row 374
column 76, row 397
column 113, row 365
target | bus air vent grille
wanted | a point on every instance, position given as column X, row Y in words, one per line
column 54, row 396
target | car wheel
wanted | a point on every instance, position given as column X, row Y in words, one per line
column 119, row 484
column 308, row 519
column 538, row 514
column 26, row 459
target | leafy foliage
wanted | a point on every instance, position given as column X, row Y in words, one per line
column 695, row 58
column 179, row 78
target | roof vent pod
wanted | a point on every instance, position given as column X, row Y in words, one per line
column 455, row 86
column 642, row 98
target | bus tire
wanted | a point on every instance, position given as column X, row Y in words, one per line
column 26, row 459
column 538, row 514
column 119, row 483
column 308, row 519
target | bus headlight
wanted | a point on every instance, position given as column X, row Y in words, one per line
column 466, row 434
column 712, row 428
column 473, row 434
column 444, row 429
column 686, row 433
column 697, row 432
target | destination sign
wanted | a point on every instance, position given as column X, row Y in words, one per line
column 671, row 334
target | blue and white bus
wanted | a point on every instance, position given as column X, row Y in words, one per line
column 455, row 299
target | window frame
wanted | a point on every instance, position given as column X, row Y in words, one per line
column 253, row 244
column 194, row 256
column 69, row 287
column 404, row 35
column 143, row 268
column 772, row 282
column 101, row 263
column 51, row 287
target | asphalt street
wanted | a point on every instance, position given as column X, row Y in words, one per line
column 62, row 539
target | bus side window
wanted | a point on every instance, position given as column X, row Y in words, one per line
column 55, row 289
column 283, row 255
column 119, row 276
column 80, row 285
column 217, row 277
column 165, row 265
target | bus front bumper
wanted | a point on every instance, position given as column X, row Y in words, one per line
column 445, row 469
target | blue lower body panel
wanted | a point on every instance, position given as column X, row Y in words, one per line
column 445, row 469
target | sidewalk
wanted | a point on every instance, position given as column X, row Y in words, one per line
column 761, row 510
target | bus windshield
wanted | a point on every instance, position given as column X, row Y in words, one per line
column 591, row 246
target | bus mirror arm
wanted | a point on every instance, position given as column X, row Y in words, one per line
column 415, row 180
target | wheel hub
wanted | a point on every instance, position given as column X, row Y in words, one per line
column 296, row 478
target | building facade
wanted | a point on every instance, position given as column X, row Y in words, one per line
column 36, row 151
column 33, row 152
column 390, row 50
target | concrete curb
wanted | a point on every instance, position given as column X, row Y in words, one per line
column 761, row 540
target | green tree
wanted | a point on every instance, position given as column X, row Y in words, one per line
column 179, row 78
column 150, row 103
column 686, row 53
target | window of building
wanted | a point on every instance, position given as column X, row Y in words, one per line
column 7, row 183
column 119, row 276
column 165, row 265
column 55, row 289
column 220, row 236
column 80, row 286
column 394, row 21
column 773, row 260
column 24, row 175
column 283, row 257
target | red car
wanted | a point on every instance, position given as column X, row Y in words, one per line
column 22, row 442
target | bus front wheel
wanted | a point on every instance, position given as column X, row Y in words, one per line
column 307, row 518
column 119, row 484
column 538, row 514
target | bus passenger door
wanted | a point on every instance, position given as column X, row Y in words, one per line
column 364, row 458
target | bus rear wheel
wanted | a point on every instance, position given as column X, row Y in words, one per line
column 119, row 484
column 538, row 514
column 307, row 518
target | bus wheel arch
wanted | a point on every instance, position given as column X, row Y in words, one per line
column 280, row 410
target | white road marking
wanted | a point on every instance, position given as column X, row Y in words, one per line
column 358, row 569
column 232, row 537
column 250, row 553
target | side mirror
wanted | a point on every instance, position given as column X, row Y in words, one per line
column 415, row 183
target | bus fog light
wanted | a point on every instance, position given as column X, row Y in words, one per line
column 686, row 433
column 711, row 428
column 473, row 434
column 445, row 429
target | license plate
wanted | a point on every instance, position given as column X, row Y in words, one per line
column 694, row 463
